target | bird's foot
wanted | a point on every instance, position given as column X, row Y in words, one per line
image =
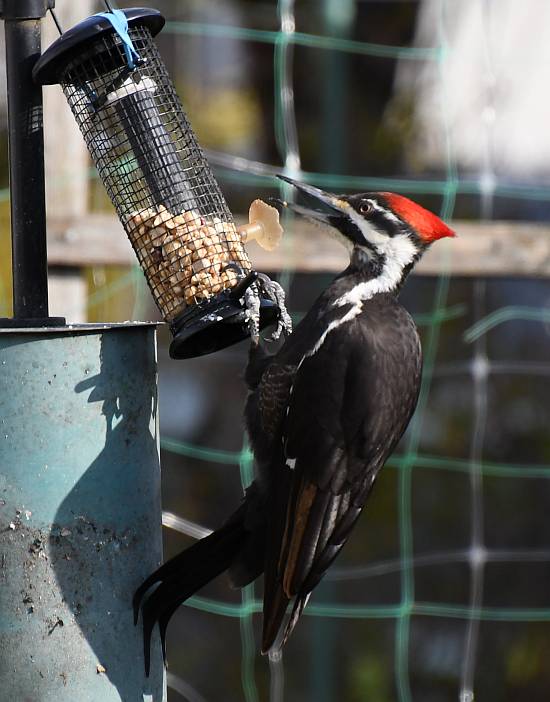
column 274, row 291
column 252, row 312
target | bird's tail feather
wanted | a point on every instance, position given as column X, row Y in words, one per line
column 274, row 615
column 182, row 576
column 299, row 605
column 183, row 562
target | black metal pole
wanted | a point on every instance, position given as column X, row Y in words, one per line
column 26, row 157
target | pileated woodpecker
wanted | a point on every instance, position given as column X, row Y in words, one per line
column 323, row 415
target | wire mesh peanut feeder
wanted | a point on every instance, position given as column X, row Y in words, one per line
column 157, row 177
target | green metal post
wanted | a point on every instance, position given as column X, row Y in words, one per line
column 80, row 514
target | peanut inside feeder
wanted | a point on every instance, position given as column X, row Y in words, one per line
column 188, row 258
column 157, row 177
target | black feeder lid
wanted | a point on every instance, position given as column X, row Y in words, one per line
column 74, row 41
column 218, row 323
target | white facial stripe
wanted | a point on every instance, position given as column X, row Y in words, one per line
column 387, row 214
column 398, row 251
column 368, row 230
column 370, row 233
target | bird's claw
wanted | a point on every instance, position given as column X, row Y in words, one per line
column 274, row 291
column 266, row 287
column 252, row 312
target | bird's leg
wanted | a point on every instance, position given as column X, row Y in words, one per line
column 276, row 294
column 252, row 313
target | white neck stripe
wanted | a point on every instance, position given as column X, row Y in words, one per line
column 397, row 252
column 351, row 314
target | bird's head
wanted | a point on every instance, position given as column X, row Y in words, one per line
column 377, row 226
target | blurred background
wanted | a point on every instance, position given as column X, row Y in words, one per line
column 443, row 590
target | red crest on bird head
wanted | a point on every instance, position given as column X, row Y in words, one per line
column 427, row 225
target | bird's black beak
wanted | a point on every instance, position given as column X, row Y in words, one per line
column 329, row 209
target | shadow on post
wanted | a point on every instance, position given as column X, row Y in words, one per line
column 105, row 537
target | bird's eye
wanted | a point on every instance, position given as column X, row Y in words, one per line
column 365, row 208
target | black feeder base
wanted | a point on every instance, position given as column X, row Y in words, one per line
column 212, row 326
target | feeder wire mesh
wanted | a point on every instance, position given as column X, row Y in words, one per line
column 155, row 172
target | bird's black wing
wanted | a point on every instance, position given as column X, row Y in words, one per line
column 327, row 466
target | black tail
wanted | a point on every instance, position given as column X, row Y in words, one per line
column 183, row 575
